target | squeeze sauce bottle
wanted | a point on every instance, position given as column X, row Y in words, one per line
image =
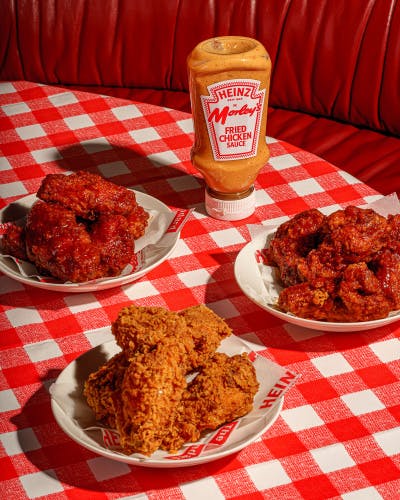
column 229, row 86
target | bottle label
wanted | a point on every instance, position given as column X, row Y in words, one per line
column 233, row 112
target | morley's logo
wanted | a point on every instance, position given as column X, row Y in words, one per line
column 233, row 113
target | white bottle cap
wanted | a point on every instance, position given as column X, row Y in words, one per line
column 230, row 209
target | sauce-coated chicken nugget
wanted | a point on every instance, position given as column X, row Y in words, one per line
column 292, row 242
column 13, row 242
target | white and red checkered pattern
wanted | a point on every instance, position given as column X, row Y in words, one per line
column 338, row 433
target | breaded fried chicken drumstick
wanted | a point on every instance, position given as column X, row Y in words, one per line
column 145, row 406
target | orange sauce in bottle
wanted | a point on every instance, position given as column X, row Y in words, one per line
column 229, row 80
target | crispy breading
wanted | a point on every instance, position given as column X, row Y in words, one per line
column 102, row 384
column 206, row 329
column 223, row 390
column 197, row 330
column 146, row 404
column 140, row 328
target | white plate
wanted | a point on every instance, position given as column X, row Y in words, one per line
column 248, row 278
column 22, row 207
column 74, row 416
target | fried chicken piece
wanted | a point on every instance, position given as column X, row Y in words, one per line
column 355, row 234
column 102, row 384
column 141, row 329
column 307, row 301
column 146, row 405
column 388, row 273
column 206, row 329
column 59, row 245
column 394, row 231
column 197, row 331
column 141, row 392
column 137, row 219
column 13, row 242
column 87, row 195
column 112, row 236
column 293, row 241
column 84, row 228
column 347, row 270
column 321, row 269
column 362, row 294
column 358, row 297
column 223, row 391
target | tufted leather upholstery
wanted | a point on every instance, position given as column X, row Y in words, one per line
column 335, row 86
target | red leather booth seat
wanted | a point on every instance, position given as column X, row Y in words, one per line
column 335, row 86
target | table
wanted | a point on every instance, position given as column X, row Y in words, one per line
column 337, row 435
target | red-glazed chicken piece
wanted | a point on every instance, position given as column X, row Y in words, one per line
column 13, row 242
column 354, row 234
column 59, row 245
column 84, row 229
column 113, row 238
column 292, row 242
column 87, row 194
column 347, row 270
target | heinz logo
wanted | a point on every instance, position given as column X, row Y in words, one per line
column 178, row 221
column 110, row 438
column 190, row 452
column 262, row 256
column 279, row 388
column 233, row 112
column 223, row 433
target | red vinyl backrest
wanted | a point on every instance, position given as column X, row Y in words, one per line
column 338, row 59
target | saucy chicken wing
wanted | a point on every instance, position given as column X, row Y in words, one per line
column 387, row 271
column 292, row 242
column 13, row 242
column 87, row 195
column 355, row 234
column 59, row 245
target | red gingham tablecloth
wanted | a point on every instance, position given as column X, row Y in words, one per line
column 337, row 435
